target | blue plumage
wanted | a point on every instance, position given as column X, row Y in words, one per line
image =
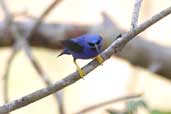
column 83, row 47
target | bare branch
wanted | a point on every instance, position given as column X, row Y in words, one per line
column 6, row 74
column 114, row 48
column 135, row 14
column 60, row 100
column 5, row 10
column 99, row 105
column 39, row 70
column 121, row 42
column 8, row 18
column 43, row 15
column 27, row 49
column 44, row 77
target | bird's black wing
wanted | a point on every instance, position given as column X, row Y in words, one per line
column 73, row 46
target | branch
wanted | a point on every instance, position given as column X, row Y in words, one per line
column 43, row 15
column 6, row 74
column 114, row 48
column 9, row 22
column 27, row 49
column 135, row 14
column 99, row 105
column 58, row 95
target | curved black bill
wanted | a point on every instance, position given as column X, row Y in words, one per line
column 97, row 48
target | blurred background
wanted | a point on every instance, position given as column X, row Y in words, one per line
column 117, row 77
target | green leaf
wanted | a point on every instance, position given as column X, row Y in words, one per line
column 159, row 112
column 133, row 105
column 111, row 111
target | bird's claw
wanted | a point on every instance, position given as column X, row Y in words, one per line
column 99, row 59
column 81, row 73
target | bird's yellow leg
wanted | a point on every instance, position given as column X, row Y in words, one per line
column 80, row 71
column 99, row 59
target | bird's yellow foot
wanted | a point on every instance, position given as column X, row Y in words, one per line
column 99, row 59
column 81, row 72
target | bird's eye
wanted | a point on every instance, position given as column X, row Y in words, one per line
column 98, row 42
column 91, row 44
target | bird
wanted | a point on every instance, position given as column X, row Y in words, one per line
column 86, row 46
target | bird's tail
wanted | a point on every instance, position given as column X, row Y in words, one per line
column 60, row 54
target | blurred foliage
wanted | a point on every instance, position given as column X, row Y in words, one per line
column 110, row 111
column 159, row 112
column 132, row 107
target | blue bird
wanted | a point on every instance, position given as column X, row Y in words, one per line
column 83, row 47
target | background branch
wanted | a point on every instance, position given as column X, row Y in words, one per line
column 99, row 105
column 6, row 75
column 43, row 15
column 45, row 78
column 16, row 36
column 135, row 13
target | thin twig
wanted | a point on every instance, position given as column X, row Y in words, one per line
column 60, row 100
column 99, row 105
column 39, row 70
column 6, row 74
column 8, row 19
column 43, row 15
column 114, row 48
column 44, row 77
column 135, row 13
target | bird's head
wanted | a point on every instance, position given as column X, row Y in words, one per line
column 94, row 42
